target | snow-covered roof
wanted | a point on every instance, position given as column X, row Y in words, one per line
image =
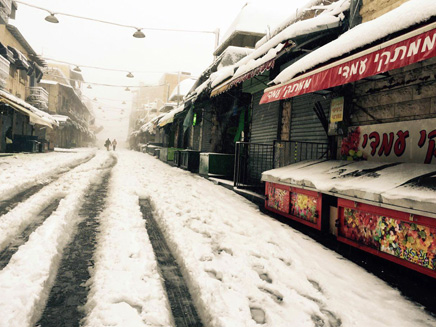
column 331, row 17
column 182, row 89
column 256, row 17
column 365, row 180
column 148, row 127
column 167, row 107
column 310, row 5
column 169, row 117
column 232, row 55
column 408, row 14
column 36, row 116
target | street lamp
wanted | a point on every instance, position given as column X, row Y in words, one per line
column 139, row 34
column 51, row 18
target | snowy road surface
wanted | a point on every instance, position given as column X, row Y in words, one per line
column 242, row 267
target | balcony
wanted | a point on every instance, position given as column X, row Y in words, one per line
column 5, row 11
column 4, row 72
column 38, row 97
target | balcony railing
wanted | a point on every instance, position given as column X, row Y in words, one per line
column 38, row 97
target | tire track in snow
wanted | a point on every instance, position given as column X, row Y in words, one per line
column 69, row 292
column 6, row 254
column 9, row 204
column 26, row 281
column 182, row 306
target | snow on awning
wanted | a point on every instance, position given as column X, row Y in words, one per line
column 264, row 57
column 241, row 78
column 401, row 185
column 355, row 67
column 169, row 117
column 36, row 116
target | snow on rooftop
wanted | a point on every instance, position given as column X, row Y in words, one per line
column 277, row 27
column 182, row 89
column 256, row 17
column 36, row 116
column 330, row 17
column 169, row 117
column 232, row 55
column 408, row 14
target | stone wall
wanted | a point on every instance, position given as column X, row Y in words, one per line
column 372, row 9
column 408, row 93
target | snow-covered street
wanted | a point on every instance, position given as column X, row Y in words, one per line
column 242, row 267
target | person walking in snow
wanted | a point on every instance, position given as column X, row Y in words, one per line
column 107, row 144
column 114, row 144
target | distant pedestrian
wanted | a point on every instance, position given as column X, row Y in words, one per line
column 114, row 144
column 107, row 144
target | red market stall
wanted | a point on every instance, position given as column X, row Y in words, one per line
column 401, row 237
column 295, row 203
column 387, row 209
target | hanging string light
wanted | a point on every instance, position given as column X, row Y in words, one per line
column 51, row 18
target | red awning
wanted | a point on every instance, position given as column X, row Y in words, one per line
column 246, row 76
column 402, row 51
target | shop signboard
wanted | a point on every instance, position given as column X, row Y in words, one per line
column 390, row 55
column 408, row 141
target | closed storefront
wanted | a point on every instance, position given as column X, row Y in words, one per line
column 305, row 125
column 265, row 120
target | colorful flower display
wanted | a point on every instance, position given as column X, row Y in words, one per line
column 304, row 207
column 278, row 199
column 409, row 241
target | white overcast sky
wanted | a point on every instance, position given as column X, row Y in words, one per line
column 95, row 44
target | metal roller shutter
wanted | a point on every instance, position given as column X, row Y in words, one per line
column 206, row 130
column 305, row 125
column 265, row 120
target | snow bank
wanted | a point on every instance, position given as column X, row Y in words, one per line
column 125, row 286
column 246, row 269
column 26, row 281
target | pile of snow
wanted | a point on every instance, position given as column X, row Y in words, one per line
column 408, row 14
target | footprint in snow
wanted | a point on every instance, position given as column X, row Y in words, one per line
column 276, row 296
column 258, row 315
